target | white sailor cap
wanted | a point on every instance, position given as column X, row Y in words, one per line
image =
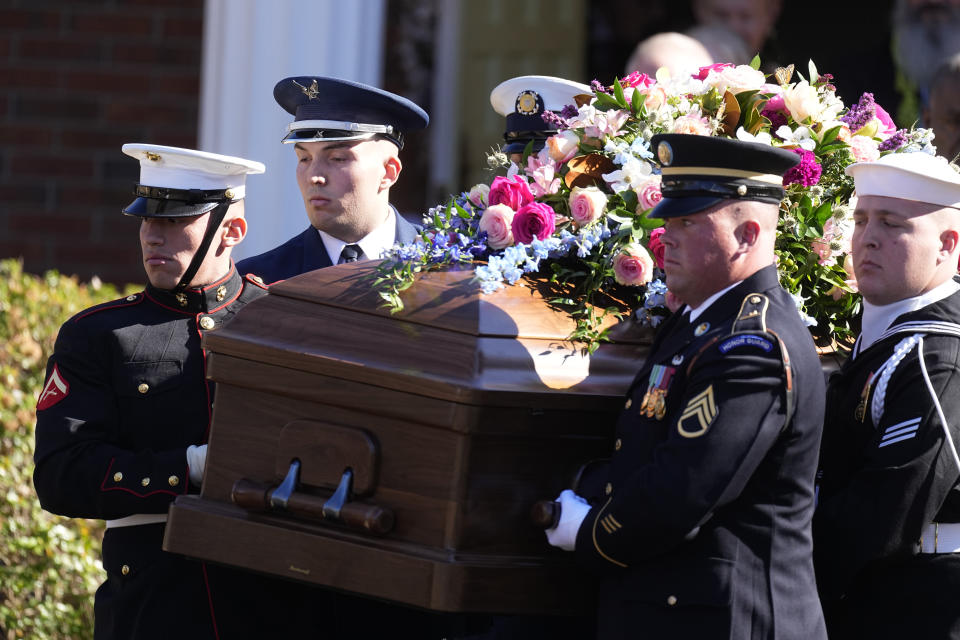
column 523, row 101
column 917, row 176
column 177, row 182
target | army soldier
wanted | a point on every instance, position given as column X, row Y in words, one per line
column 702, row 529
column 887, row 524
column 523, row 101
column 347, row 137
column 122, row 420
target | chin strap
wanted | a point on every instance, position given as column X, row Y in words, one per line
column 213, row 224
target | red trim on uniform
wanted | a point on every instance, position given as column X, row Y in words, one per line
column 206, row 385
column 115, row 304
column 261, row 284
column 228, row 302
column 213, row 616
column 221, row 280
column 163, row 306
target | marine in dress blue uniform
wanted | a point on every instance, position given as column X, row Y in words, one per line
column 887, row 524
column 339, row 114
column 524, row 100
column 702, row 528
column 126, row 398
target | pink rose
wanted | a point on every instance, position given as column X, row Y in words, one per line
column 496, row 221
column 478, row 194
column 718, row 67
column 534, row 220
column 512, row 192
column 587, row 204
column 563, row 146
column 632, row 266
column 656, row 245
column 654, row 98
column 887, row 127
column 637, row 79
column 691, row 125
column 864, row 149
column 649, row 194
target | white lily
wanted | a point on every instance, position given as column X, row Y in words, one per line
column 763, row 137
column 800, row 137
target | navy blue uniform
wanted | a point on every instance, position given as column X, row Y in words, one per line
column 703, row 529
column 125, row 396
column 887, row 473
column 305, row 252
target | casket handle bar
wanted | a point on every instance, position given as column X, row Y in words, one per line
column 250, row 494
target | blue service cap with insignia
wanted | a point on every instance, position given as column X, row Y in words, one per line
column 327, row 109
column 702, row 171
column 523, row 101
column 177, row 182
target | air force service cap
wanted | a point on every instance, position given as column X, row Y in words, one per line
column 917, row 176
column 177, row 182
column 702, row 171
column 327, row 109
column 523, row 101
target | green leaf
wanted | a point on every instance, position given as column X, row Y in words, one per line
column 618, row 94
column 755, row 63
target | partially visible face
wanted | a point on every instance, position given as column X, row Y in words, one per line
column 944, row 116
column 896, row 245
column 698, row 253
column 169, row 244
column 753, row 20
column 341, row 185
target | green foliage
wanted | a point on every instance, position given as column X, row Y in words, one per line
column 49, row 565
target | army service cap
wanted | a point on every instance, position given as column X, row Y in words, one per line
column 917, row 176
column 327, row 109
column 177, row 182
column 523, row 101
column 700, row 172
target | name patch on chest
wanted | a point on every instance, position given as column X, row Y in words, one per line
column 746, row 340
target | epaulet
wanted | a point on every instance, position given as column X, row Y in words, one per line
column 119, row 303
column 753, row 314
column 255, row 280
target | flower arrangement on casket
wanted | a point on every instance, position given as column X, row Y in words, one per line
column 574, row 215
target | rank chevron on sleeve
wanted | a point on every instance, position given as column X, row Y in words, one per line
column 699, row 413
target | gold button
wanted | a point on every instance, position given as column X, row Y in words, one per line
column 173, row 481
column 628, row 404
column 258, row 279
column 228, row 194
column 117, row 477
column 672, row 600
column 754, row 299
column 742, row 190
column 125, row 569
column 206, row 322
column 608, row 489
column 617, row 444
column 131, row 298
column 143, row 387
column 145, row 481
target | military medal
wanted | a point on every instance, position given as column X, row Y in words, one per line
column 861, row 411
column 654, row 400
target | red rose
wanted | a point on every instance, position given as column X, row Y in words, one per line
column 535, row 220
column 656, row 246
column 512, row 192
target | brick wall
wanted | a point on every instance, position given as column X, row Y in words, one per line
column 78, row 78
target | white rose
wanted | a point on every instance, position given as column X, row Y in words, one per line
column 736, row 79
column 478, row 194
column 802, row 101
column 562, row 146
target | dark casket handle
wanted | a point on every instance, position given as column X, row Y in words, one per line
column 250, row 494
column 545, row 513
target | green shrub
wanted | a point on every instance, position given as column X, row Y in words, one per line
column 49, row 565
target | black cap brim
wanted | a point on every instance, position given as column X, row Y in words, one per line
column 676, row 207
column 156, row 208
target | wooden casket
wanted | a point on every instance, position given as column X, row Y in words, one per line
column 398, row 456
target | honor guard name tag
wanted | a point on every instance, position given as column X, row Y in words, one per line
column 654, row 400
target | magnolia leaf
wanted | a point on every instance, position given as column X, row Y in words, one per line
column 731, row 114
column 588, row 170
column 583, row 98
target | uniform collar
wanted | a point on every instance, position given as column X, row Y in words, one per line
column 695, row 313
column 204, row 299
column 374, row 244
column 878, row 318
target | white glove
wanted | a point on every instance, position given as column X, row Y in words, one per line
column 196, row 459
column 573, row 509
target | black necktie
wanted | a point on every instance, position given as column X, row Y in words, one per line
column 350, row 253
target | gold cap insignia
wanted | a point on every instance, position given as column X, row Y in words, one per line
column 665, row 153
column 527, row 103
column 311, row 92
column 221, row 293
column 151, row 156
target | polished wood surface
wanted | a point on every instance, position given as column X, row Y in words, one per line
column 456, row 416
